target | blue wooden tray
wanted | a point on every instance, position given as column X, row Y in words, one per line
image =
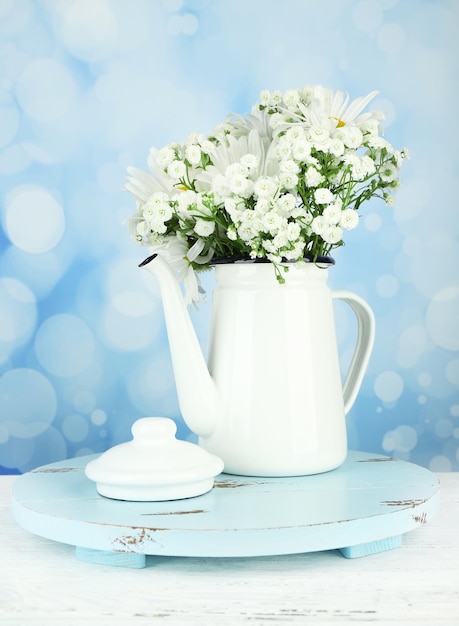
column 361, row 508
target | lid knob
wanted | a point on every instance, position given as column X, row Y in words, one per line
column 153, row 431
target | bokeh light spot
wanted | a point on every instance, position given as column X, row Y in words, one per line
column 46, row 90
column 190, row 24
column 88, row 29
column 9, row 118
column 98, row 417
column 425, row 379
column 391, row 38
column 4, row 433
column 403, row 439
column 387, row 286
column 49, row 447
column 40, row 272
column 14, row 159
column 75, row 428
column 17, row 310
column 64, row 345
column 84, row 452
column 173, row 5
column 440, row 463
column 28, row 402
column 186, row 24
column 150, row 385
column 389, row 109
column 412, row 344
column 16, row 453
column 367, row 15
column 411, row 201
column 388, row 386
column 442, row 318
column 443, row 428
column 34, row 219
column 128, row 322
column 452, row 371
column 373, row 222
column 84, row 401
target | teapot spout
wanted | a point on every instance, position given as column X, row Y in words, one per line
column 195, row 388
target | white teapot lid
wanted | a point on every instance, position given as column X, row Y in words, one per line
column 154, row 466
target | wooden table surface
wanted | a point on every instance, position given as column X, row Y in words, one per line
column 42, row 583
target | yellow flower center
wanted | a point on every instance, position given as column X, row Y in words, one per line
column 182, row 187
column 340, row 123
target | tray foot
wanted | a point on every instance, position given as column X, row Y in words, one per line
column 373, row 547
column 115, row 559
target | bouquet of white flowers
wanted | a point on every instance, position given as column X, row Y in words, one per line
column 281, row 184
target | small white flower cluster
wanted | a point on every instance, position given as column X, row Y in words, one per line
column 282, row 183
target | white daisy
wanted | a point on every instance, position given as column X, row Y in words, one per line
column 333, row 108
column 180, row 257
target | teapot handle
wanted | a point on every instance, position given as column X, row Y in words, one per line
column 363, row 348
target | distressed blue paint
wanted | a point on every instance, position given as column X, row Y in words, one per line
column 360, row 508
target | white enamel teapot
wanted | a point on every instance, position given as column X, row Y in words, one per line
column 269, row 401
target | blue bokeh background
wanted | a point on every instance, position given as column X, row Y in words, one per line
column 87, row 86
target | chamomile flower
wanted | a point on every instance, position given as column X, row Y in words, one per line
column 334, row 109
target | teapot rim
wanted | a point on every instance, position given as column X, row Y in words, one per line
column 322, row 260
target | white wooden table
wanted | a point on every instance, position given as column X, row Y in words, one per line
column 41, row 582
